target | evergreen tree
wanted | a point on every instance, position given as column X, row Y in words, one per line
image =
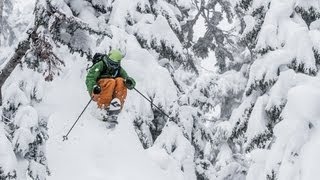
column 251, row 14
column 207, row 136
column 215, row 38
column 275, row 33
column 26, row 128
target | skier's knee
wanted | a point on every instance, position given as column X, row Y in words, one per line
column 119, row 80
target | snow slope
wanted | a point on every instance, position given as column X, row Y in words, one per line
column 92, row 152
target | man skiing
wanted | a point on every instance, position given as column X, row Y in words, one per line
column 107, row 83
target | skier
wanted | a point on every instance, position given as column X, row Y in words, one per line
column 107, row 83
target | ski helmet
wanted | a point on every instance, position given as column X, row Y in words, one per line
column 115, row 56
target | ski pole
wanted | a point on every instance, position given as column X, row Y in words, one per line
column 152, row 103
column 65, row 137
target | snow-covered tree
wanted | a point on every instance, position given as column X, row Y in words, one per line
column 206, row 136
column 208, row 126
column 251, row 14
column 26, row 128
column 7, row 158
column 215, row 38
column 283, row 40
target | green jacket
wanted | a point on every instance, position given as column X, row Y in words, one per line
column 100, row 70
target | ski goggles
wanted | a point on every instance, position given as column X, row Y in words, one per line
column 113, row 64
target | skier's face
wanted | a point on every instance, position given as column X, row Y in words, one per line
column 113, row 65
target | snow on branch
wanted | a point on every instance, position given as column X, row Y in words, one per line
column 7, row 158
column 157, row 37
column 240, row 117
column 67, row 30
column 26, row 127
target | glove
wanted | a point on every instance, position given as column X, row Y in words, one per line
column 130, row 83
column 96, row 89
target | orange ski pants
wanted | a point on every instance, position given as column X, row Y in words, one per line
column 110, row 89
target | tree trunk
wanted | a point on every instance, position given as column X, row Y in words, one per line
column 23, row 47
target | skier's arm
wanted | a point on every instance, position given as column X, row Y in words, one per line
column 93, row 76
column 129, row 81
column 123, row 74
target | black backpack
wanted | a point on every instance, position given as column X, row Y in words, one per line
column 96, row 58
